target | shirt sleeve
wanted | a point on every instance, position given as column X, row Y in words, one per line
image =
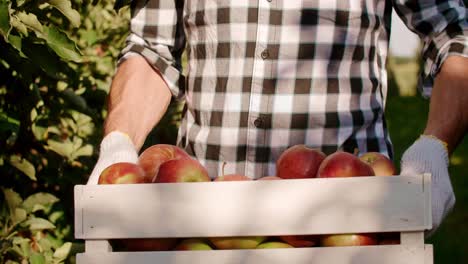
column 156, row 33
column 443, row 28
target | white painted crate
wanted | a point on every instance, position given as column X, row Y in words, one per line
column 293, row 207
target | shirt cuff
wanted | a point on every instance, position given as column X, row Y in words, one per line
column 170, row 73
column 435, row 54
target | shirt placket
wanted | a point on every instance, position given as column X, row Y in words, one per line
column 255, row 131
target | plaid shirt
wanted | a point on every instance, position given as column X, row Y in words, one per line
column 265, row 75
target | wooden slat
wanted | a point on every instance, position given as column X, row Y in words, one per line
column 428, row 254
column 78, row 193
column 310, row 206
column 395, row 254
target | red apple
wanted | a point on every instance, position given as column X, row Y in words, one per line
column 154, row 156
column 380, row 163
column 182, row 170
column 249, row 242
column 343, row 164
column 193, row 244
column 232, row 177
column 344, row 240
column 299, row 162
column 122, row 173
column 301, row 240
column 269, row 178
column 273, row 244
column 149, row 244
column 389, row 238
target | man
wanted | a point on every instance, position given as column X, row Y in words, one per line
column 265, row 75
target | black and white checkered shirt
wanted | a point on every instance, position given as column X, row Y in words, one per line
column 268, row 74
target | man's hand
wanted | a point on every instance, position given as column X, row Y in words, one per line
column 115, row 147
column 429, row 155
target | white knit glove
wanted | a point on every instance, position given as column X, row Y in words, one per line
column 429, row 155
column 115, row 147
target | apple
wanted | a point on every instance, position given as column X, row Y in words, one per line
column 343, row 164
column 273, row 244
column 182, row 170
column 122, row 173
column 232, row 177
column 269, row 178
column 298, row 162
column 389, row 238
column 240, row 242
column 380, row 163
column 148, row 244
column 154, row 156
column 344, row 240
column 301, row 240
column 193, row 244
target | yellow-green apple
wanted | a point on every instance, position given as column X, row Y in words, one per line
column 344, row 240
column 122, row 173
column 154, row 156
column 343, row 164
column 149, row 244
column 269, row 178
column 193, row 244
column 273, row 244
column 301, row 240
column 182, row 170
column 298, row 162
column 380, row 163
column 240, row 242
column 232, row 177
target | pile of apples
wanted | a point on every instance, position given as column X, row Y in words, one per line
column 164, row 163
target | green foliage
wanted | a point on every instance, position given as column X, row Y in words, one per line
column 57, row 58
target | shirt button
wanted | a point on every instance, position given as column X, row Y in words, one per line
column 265, row 54
column 258, row 122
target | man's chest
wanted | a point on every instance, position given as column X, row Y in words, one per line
column 292, row 13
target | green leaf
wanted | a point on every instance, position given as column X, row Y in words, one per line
column 22, row 244
column 54, row 216
column 16, row 23
column 13, row 199
column 64, row 6
column 64, row 149
column 19, row 215
column 62, row 252
column 30, row 20
column 41, row 56
column 36, row 223
column 5, row 18
column 16, row 42
column 59, row 42
column 86, row 150
column 41, row 198
column 8, row 123
column 24, row 166
column 37, row 258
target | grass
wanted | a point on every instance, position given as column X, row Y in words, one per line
column 406, row 120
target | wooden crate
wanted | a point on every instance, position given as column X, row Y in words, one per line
column 293, row 207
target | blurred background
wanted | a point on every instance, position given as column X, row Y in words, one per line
column 57, row 59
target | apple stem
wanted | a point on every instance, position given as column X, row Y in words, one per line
column 356, row 152
column 222, row 169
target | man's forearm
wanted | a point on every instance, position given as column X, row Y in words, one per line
column 138, row 99
column 448, row 112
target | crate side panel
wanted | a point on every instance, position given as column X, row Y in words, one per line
column 343, row 255
column 313, row 206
